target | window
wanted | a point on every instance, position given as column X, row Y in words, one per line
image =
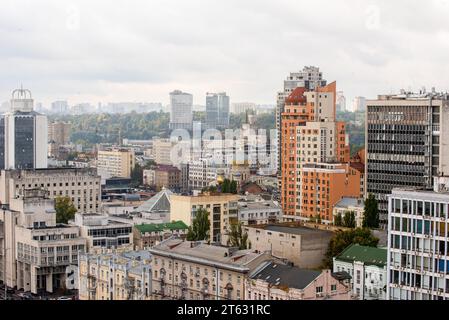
column 333, row 287
column 319, row 290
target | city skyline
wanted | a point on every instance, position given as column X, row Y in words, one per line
column 96, row 53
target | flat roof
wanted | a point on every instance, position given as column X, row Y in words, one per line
column 298, row 230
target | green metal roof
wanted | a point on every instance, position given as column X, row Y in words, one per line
column 176, row 225
column 367, row 255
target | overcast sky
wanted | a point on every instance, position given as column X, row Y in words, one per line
column 140, row 50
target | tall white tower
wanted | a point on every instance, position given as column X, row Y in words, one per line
column 25, row 134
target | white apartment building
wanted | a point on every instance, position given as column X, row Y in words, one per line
column 162, row 151
column 181, row 110
column 102, row 232
column 82, row 186
column 38, row 250
column 202, row 173
column 418, row 257
column 260, row 212
column 368, row 269
column 355, row 205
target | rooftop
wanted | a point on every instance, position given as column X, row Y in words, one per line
column 298, row 230
column 350, row 202
column 286, row 275
column 205, row 253
column 367, row 255
column 177, row 225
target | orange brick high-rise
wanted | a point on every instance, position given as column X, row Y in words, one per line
column 314, row 144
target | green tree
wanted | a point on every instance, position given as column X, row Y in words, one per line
column 338, row 221
column 349, row 219
column 371, row 216
column 200, row 228
column 226, row 186
column 238, row 238
column 342, row 239
column 65, row 210
column 137, row 175
column 233, row 187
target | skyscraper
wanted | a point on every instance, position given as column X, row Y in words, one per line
column 315, row 169
column 24, row 133
column 181, row 110
column 359, row 104
column 309, row 78
column 60, row 107
column 405, row 143
column 217, row 110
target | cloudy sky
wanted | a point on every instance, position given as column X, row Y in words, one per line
column 140, row 50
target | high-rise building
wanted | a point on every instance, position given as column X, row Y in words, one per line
column 59, row 132
column 405, row 146
column 181, row 110
column 418, row 254
column 309, row 78
column 217, row 110
column 341, row 101
column 359, row 104
column 315, row 170
column 60, row 107
column 23, row 134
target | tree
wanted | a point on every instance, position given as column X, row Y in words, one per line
column 238, row 238
column 226, row 186
column 233, row 187
column 349, row 219
column 200, row 228
column 338, row 221
column 371, row 216
column 137, row 175
column 342, row 239
column 65, row 210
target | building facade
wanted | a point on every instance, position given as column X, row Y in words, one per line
column 38, row 250
column 116, row 162
column 277, row 281
column 260, row 212
column 304, row 247
column 82, row 186
column 404, row 140
column 181, row 110
column 149, row 235
column 418, row 258
column 102, row 232
column 198, row 271
column 367, row 267
column 115, row 276
column 23, row 134
column 222, row 210
column 217, row 110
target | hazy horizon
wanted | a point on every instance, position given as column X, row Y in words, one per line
column 98, row 51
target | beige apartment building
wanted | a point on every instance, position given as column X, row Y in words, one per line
column 115, row 276
column 198, row 271
column 222, row 208
column 116, row 162
column 304, row 247
column 59, row 132
column 82, row 185
column 38, row 250
column 162, row 151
